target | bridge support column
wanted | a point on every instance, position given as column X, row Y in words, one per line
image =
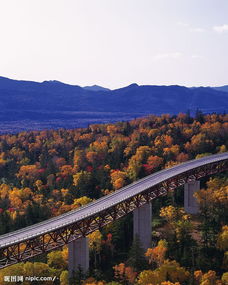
column 190, row 204
column 142, row 224
column 78, row 255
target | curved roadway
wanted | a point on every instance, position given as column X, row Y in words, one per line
column 106, row 202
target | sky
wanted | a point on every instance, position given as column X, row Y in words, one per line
column 114, row 43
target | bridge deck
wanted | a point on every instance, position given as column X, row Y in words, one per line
column 106, row 202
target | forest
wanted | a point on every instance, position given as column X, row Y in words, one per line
column 47, row 173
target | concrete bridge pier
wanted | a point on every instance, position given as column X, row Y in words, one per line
column 78, row 255
column 190, row 204
column 142, row 224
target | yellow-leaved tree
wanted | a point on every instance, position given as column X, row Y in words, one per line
column 168, row 271
column 157, row 254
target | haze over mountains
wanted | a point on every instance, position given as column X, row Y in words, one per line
column 26, row 105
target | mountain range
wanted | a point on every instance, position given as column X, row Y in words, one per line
column 26, row 105
column 222, row 88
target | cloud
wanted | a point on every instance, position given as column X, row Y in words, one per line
column 190, row 28
column 171, row 55
column 183, row 24
column 177, row 56
column 197, row 56
column 221, row 29
column 197, row 30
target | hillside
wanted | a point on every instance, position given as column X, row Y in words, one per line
column 44, row 174
column 53, row 104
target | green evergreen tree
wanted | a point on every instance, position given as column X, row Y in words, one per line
column 137, row 258
column 77, row 277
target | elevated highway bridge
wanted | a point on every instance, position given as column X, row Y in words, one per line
column 72, row 227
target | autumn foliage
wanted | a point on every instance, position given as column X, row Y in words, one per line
column 47, row 173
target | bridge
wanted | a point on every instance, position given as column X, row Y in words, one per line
column 72, row 227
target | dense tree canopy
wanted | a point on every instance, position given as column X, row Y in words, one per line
column 46, row 173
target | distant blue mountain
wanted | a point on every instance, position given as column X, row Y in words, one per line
column 222, row 88
column 56, row 104
column 96, row 88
